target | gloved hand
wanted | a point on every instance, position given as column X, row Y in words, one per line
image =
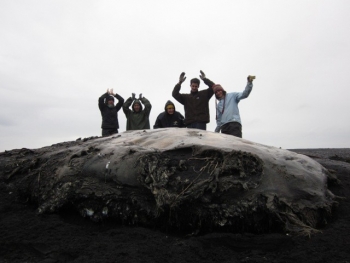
column 182, row 77
column 250, row 78
column 133, row 96
column 140, row 96
column 202, row 75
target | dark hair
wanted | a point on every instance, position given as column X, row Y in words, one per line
column 195, row 80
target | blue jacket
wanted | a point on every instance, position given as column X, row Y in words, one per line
column 231, row 112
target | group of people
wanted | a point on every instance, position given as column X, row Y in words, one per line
column 196, row 106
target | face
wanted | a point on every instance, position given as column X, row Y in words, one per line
column 170, row 110
column 194, row 87
column 137, row 107
column 219, row 94
column 110, row 102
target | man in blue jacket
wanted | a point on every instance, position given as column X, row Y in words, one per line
column 228, row 119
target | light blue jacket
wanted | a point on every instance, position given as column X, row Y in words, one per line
column 231, row 111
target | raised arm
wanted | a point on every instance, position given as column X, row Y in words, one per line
column 127, row 104
column 120, row 101
column 146, row 103
column 209, row 83
column 176, row 91
column 118, row 97
column 101, row 100
column 247, row 89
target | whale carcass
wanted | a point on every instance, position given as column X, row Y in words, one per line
column 181, row 179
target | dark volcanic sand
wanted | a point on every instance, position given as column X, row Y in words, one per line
column 28, row 237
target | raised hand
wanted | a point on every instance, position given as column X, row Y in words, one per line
column 182, row 77
column 250, row 78
column 133, row 96
column 140, row 96
column 202, row 75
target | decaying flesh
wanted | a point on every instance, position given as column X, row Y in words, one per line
column 181, row 179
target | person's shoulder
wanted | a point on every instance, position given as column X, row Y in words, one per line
column 161, row 114
column 204, row 91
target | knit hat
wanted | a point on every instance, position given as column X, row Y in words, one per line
column 217, row 87
column 110, row 98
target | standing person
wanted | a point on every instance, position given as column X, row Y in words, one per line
column 137, row 118
column 109, row 112
column 196, row 103
column 169, row 118
column 228, row 119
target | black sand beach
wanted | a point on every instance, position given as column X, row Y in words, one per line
column 26, row 236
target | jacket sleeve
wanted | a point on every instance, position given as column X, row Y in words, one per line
column 210, row 85
column 177, row 95
column 147, row 104
column 120, row 101
column 126, row 106
column 101, row 101
column 181, row 120
column 246, row 92
column 157, row 124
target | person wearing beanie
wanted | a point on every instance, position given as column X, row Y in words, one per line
column 228, row 119
column 169, row 118
column 196, row 103
column 137, row 118
column 109, row 112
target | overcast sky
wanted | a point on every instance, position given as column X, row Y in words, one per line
column 59, row 57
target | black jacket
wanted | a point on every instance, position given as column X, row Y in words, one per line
column 109, row 115
column 196, row 104
column 165, row 120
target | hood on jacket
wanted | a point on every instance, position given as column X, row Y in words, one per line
column 169, row 102
column 137, row 102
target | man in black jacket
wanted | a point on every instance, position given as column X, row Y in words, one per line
column 196, row 103
column 109, row 112
column 169, row 118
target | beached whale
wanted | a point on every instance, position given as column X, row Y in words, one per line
column 180, row 179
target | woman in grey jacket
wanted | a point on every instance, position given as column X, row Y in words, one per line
column 228, row 119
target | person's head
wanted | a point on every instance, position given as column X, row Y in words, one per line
column 110, row 101
column 169, row 107
column 194, row 84
column 219, row 91
column 137, row 106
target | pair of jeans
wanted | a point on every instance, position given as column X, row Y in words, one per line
column 107, row 132
column 198, row 125
column 232, row 128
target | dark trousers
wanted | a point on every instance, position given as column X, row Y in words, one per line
column 107, row 132
column 232, row 128
column 198, row 125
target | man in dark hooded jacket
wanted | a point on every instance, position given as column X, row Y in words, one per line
column 169, row 118
column 109, row 112
column 137, row 118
